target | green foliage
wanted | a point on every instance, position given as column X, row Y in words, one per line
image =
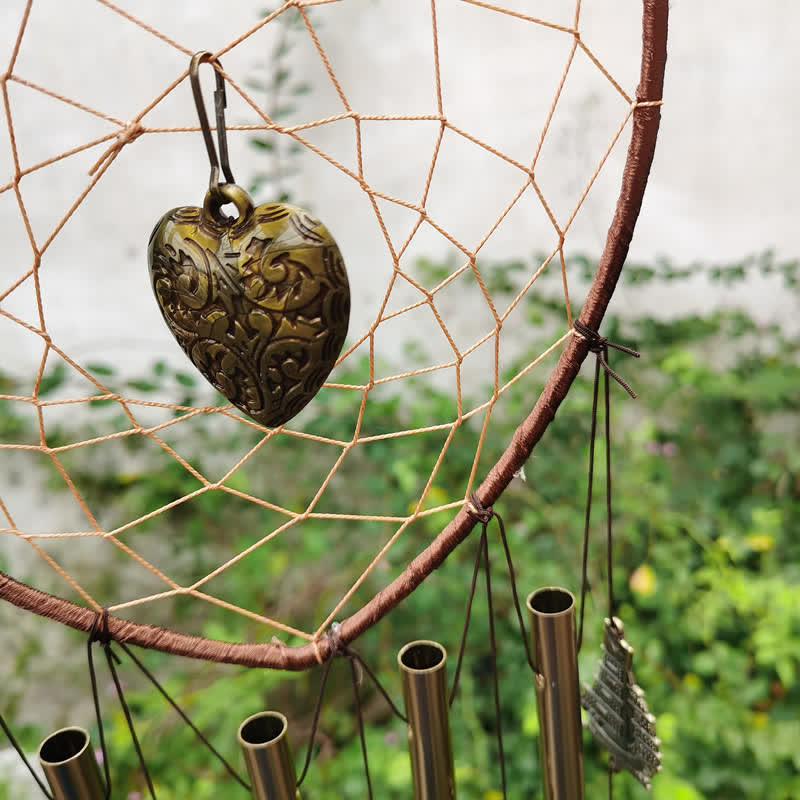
column 707, row 569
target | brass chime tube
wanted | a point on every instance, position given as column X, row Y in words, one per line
column 70, row 766
column 265, row 745
column 553, row 640
column 422, row 666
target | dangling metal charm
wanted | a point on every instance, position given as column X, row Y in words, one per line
column 618, row 714
column 260, row 303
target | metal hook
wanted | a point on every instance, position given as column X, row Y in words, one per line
column 219, row 105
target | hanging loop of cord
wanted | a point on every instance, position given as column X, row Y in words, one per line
column 485, row 514
column 357, row 667
column 220, row 103
column 599, row 345
column 99, row 633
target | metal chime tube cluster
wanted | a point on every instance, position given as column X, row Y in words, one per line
column 552, row 617
column 265, row 745
column 69, row 765
column 422, row 665
column 72, row 771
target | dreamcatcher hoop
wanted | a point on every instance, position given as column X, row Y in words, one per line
column 645, row 110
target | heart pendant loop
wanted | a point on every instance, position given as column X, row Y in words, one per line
column 228, row 193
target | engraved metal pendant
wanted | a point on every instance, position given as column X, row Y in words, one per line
column 618, row 714
column 259, row 303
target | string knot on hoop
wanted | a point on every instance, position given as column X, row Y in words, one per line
column 599, row 346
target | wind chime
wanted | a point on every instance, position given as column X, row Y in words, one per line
column 260, row 304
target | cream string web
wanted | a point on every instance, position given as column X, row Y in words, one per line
column 129, row 132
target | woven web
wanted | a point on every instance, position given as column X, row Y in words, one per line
column 491, row 341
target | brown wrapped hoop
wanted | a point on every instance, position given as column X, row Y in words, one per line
column 646, row 118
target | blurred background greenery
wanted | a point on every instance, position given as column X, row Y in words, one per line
column 707, row 496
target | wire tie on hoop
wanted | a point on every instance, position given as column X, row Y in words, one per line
column 220, row 103
column 599, row 346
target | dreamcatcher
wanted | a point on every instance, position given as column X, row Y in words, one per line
column 260, row 302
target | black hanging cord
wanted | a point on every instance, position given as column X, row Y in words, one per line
column 356, row 676
column 21, row 754
column 315, row 721
column 200, row 735
column 339, row 648
column 493, row 644
column 484, row 515
column 599, row 345
column 463, row 645
column 101, row 634
column 95, row 636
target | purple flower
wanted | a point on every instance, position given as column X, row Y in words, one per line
column 98, row 755
column 669, row 449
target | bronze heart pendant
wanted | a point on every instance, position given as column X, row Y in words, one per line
column 259, row 303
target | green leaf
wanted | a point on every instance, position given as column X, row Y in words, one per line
column 106, row 370
column 142, row 385
column 185, row 379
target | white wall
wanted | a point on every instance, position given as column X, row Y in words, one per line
column 722, row 185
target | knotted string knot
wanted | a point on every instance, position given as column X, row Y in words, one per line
column 476, row 509
column 599, row 346
column 132, row 131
